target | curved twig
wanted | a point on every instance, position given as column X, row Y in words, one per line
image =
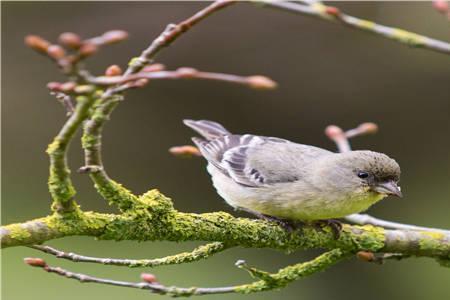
column 201, row 252
column 268, row 282
column 329, row 13
column 364, row 219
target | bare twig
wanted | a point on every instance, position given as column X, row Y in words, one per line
column 66, row 101
column 364, row 219
column 257, row 82
column 267, row 282
column 167, row 37
column 329, row 13
column 201, row 252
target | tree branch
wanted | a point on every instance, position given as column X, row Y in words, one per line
column 330, row 13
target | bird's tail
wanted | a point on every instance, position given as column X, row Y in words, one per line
column 208, row 129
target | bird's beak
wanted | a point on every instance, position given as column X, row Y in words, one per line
column 388, row 188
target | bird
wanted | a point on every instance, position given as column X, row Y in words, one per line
column 280, row 180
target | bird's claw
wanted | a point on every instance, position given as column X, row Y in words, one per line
column 335, row 225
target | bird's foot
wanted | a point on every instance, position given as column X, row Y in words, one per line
column 335, row 225
column 288, row 225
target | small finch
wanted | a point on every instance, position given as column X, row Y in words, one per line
column 282, row 180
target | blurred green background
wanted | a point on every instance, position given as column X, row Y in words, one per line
column 326, row 74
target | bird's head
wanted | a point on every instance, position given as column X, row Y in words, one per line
column 364, row 173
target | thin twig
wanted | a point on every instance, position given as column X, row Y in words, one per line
column 167, row 37
column 364, row 219
column 329, row 13
column 258, row 82
column 201, row 252
column 270, row 282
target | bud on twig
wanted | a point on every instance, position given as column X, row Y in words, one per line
column 54, row 86
column 332, row 11
column 149, row 278
column 365, row 256
column 113, row 70
column 37, row 43
column 441, row 6
column 56, row 52
column 114, row 36
column 368, row 127
column 88, row 49
column 35, row 262
column 70, row 40
column 261, row 82
column 334, row 132
column 185, row 151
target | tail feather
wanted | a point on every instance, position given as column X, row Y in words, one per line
column 208, row 129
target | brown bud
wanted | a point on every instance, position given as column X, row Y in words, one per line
column 334, row 132
column 185, row 151
column 70, row 40
column 67, row 87
column 441, row 6
column 261, row 82
column 113, row 70
column 37, row 43
column 186, row 72
column 54, row 86
column 56, row 52
column 332, row 11
column 88, row 49
column 150, row 278
column 35, row 262
column 114, row 36
column 368, row 127
column 154, row 68
column 365, row 256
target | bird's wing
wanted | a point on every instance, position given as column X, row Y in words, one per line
column 257, row 161
column 208, row 129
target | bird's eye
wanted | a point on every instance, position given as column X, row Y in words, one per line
column 362, row 174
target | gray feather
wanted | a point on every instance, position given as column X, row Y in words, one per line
column 250, row 160
column 208, row 129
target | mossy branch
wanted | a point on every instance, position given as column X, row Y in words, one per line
column 152, row 217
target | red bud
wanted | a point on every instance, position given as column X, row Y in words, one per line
column 334, row 132
column 332, row 11
column 56, row 52
column 113, row 70
column 54, row 86
column 70, row 40
column 88, row 49
column 185, row 151
column 114, row 36
column 441, row 6
column 365, row 256
column 37, row 43
column 150, row 278
column 261, row 82
column 35, row 262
